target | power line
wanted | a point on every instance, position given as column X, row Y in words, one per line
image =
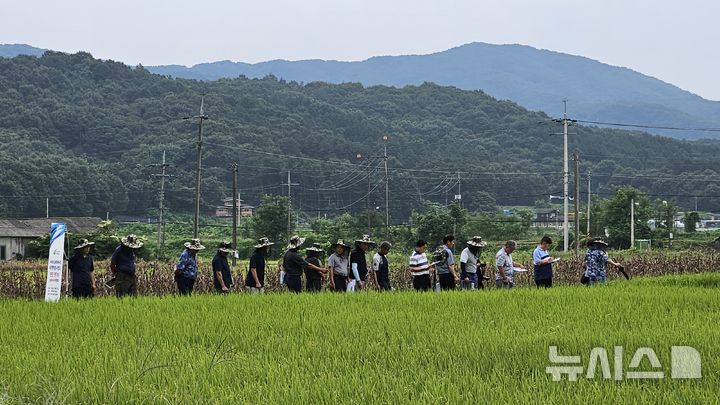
column 617, row 124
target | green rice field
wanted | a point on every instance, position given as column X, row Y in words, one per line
column 456, row 347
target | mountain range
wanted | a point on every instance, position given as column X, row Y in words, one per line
column 536, row 79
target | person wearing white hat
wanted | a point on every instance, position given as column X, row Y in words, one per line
column 294, row 264
column 82, row 268
column 338, row 266
column 255, row 278
column 469, row 259
column 122, row 266
column 222, row 276
column 358, row 262
column 314, row 278
column 187, row 267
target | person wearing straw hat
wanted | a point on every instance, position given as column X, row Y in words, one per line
column 469, row 259
column 595, row 261
column 542, row 263
column 82, row 268
column 338, row 266
column 187, row 267
column 314, row 278
column 122, row 266
column 380, row 267
column 294, row 265
column 255, row 278
column 222, row 276
column 358, row 263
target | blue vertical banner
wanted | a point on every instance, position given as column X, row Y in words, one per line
column 56, row 262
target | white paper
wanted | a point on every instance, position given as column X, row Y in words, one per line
column 519, row 270
column 351, row 285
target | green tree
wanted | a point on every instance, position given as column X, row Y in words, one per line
column 614, row 213
column 271, row 219
column 691, row 219
column 434, row 224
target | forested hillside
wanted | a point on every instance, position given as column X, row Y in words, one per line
column 86, row 133
column 537, row 79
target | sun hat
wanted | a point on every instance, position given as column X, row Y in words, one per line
column 262, row 242
column 194, row 244
column 366, row 239
column 295, row 242
column 597, row 241
column 477, row 241
column 225, row 247
column 83, row 243
column 132, row 241
column 316, row 247
column 340, row 242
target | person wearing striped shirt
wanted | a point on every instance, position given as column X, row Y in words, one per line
column 420, row 267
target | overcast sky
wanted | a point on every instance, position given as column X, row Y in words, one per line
column 675, row 41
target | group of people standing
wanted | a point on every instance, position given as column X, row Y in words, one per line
column 346, row 269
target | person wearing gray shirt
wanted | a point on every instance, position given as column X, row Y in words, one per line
column 504, row 264
column 338, row 264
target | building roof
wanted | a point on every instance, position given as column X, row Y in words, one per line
column 37, row 227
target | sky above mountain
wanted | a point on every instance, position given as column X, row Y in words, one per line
column 671, row 40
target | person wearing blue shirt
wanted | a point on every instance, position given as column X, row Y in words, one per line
column 122, row 266
column 542, row 263
column 187, row 268
column 595, row 261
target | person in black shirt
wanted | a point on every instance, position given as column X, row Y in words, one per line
column 358, row 261
column 222, row 280
column 380, row 267
column 122, row 266
column 81, row 267
column 255, row 279
column 314, row 278
column 294, row 264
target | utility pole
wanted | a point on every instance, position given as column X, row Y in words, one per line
column 235, row 209
column 566, row 174
column 161, row 197
column 387, row 192
column 588, row 204
column 289, row 218
column 576, row 158
column 198, row 176
column 47, row 207
column 632, row 222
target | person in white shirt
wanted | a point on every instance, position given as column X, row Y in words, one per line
column 504, row 276
column 420, row 267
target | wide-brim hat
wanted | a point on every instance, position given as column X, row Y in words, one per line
column 225, row 247
column 132, row 241
column 477, row 242
column 295, row 242
column 366, row 239
column 597, row 241
column 262, row 242
column 316, row 247
column 83, row 243
column 342, row 243
column 194, row 244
